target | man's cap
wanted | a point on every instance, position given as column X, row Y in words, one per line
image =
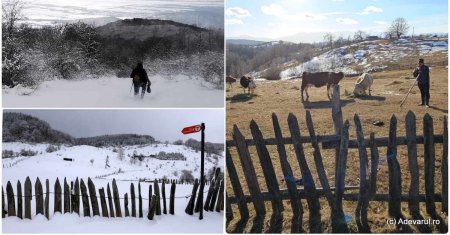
column 421, row 61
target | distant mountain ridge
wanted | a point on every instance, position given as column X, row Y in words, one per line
column 141, row 29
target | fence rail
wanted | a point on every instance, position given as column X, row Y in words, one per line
column 363, row 193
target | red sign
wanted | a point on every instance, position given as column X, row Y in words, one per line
column 191, row 129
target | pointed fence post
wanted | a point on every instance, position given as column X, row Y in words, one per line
column 116, row 199
column 85, row 199
column 57, row 197
column 39, row 197
column 67, row 196
column 11, row 200
column 163, row 193
column 19, row 200
column 158, row 198
column 110, row 201
column 28, row 198
column 127, row 212
column 93, row 196
column 133, row 201
column 140, row 200
column 101, row 191
column 47, row 203
column 172, row 199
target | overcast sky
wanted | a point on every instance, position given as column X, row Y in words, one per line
column 281, row 18
column 162, row 124
column 44, row 12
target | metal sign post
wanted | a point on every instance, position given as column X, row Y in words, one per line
column 195, row 129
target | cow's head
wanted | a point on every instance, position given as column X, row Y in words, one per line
column 358, row 90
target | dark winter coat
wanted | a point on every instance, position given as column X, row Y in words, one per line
column 139, row 70
column 424, row 75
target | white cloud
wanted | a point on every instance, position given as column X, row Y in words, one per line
column 379, row 22
column 346, row 21
column 313, row 16
column 371, row 9
column 233, row 21
column 273, row 9
column 237, row 12
column 337, row 0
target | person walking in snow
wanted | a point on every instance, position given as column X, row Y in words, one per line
column 140, row 79
column 423, row 81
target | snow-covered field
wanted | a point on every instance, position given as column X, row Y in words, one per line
column 51, row 166
column 370, row 55
column 179, row 92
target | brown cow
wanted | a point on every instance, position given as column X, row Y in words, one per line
column 320, row 79
column 230, row 80
column 248, row 82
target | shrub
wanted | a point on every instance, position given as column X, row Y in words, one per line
column 186, row 175
column 272, row 73
column 51, row 149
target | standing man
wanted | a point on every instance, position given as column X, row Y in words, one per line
column 140, row 79
column 423, row 81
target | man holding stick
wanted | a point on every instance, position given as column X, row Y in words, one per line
column 423, row 81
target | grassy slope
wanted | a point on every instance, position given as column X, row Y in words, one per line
column 283, row 97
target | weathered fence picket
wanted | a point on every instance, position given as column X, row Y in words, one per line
column 158, row 197
column 19, row 200
column 110, row 202
column 133, row 201
column 140, row 200
column 93, row 196
column 58, row 193
column 190, row 206
column 28, row 198
column 101, row 191
column 3, row 204
column 116, row 199
column 39, row 197
column 47, row 199
column 76, row 197
column 297, row 209
column 67, row 197
column 172, row 199
column 237, row 152
column 127, row 212
column 11, row 200
column 163, row 193
column 85, row 199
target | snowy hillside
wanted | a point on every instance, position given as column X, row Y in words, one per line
column 365, row 56
column 90, row 162
column 179, row 91
column 53, row 165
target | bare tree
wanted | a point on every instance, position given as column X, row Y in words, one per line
column 328, row 38
column 399, row 27
column 359, row 36
column 12, row 13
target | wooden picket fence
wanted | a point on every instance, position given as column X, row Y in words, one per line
column 66, row 199
column 341, row 143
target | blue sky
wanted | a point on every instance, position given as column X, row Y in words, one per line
column 283, row 18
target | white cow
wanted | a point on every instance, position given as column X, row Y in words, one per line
column 363, row 83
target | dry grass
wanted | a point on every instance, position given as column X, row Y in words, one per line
column 283, row 97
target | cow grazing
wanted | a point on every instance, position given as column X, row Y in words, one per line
column 320, row 79
column 248, row 82
column 363, row 83
column 230, row 80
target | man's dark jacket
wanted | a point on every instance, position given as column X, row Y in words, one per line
column 139, row 70
column 424, row 75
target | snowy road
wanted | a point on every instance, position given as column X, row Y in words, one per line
column 181, row 92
